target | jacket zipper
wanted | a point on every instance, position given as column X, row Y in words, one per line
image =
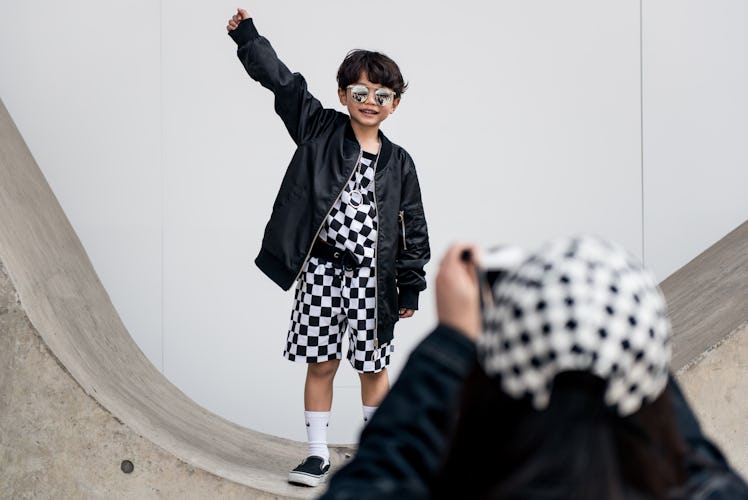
column 322, row 224
column 376, row 249
column 402, row 226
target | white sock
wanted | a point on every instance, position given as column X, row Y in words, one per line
column 368, row 412
column 316, row 433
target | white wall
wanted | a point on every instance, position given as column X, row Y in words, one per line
column 695, row 68
column 523, row 119
column 81, row 81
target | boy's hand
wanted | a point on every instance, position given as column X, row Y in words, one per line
column 406, row 313
column 240, row 16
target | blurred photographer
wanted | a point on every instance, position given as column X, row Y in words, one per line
column 557, row 387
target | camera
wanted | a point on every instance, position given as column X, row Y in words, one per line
column 495, row 264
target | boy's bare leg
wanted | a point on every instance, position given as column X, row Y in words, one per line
column 374, row 387
column 317, row 404
column 318, row 385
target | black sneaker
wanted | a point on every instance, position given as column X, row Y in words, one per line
column 310, row 472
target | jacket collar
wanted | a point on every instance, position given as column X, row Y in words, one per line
column 386, row 148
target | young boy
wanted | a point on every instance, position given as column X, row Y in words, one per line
column 347, row 227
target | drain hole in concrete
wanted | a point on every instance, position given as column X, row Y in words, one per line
column 127, row 466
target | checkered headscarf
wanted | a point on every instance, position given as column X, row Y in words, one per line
column 579, row 303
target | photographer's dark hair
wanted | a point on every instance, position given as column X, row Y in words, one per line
column 378, row 67
column 576, row 448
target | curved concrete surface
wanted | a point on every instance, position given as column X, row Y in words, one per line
column 77, row 396
column 67, row 305
column 717, row 386
column 57, row 442
column 708, row 307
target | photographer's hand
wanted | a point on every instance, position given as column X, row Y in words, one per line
column 457, row 291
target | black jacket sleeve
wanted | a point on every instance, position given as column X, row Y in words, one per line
column 414, row 250
column 401, row 447
column 301, row 112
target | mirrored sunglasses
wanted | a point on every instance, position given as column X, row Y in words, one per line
column 382, row 97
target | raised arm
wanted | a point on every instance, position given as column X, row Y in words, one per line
column 301, row 112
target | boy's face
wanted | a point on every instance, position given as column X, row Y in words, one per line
column 367, row 113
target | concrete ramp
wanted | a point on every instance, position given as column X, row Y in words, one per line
column 77, row 396
column 708, row 306
column 57, row 442
column 717, row 386
column 84, row 414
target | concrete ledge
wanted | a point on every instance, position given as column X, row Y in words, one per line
column 708, row 297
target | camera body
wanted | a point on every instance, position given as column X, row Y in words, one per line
column 495, row 264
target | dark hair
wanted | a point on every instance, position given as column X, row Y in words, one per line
column 378, row 68
column 576, row 448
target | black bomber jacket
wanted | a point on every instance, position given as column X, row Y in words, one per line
column 326, row 155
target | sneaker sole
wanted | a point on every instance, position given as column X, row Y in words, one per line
column 306, row 479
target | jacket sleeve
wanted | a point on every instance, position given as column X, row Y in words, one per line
column 414, row 250
column 709, row 475
column 401, row 448
column 301, row 112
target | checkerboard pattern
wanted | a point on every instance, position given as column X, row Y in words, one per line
column 355, row 228
column 330, row 301
column 580, row 303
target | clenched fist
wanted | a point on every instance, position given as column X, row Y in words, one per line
column 240, row 16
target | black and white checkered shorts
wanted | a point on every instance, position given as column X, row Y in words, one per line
column 328, row 301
